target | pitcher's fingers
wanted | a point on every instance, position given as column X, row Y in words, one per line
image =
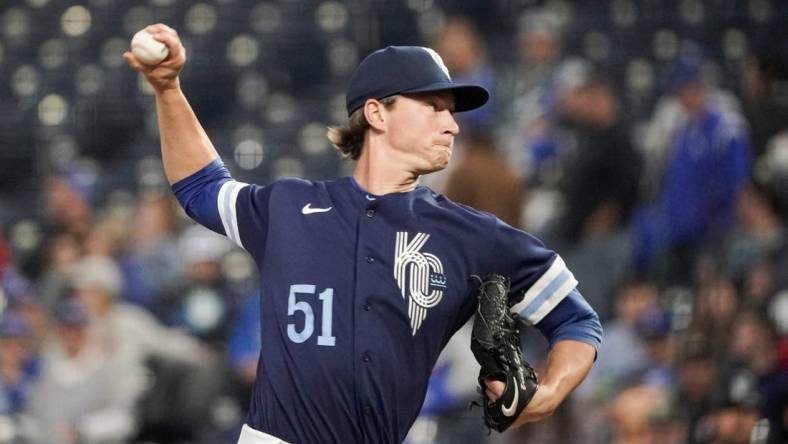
column 132, row 61
column 173, row 43
column 495, row 387
column 160, row 27
column 168, row 36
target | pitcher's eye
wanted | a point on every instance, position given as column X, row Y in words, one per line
column 437, row 106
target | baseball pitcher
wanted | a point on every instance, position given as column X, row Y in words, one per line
column 365, row 278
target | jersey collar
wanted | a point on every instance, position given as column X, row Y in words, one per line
column 369, row 197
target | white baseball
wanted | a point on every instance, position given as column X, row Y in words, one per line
column 147, row 49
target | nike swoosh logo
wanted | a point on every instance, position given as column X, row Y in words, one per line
column 509, row 411
column 309, row 210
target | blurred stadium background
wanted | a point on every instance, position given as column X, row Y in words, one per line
column 644, row 140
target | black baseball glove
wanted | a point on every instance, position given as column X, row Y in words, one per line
column 495, row 342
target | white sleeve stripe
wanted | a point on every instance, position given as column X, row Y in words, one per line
column 548, row 277
column 233, row 215
column 551, row 302
column 547, row 294
column 221, row 204
column 228, row 194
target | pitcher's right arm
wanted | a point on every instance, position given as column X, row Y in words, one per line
column 185, row 147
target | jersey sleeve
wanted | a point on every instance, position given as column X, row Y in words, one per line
column 235, row 209
column 540, row 278
column 572, row 319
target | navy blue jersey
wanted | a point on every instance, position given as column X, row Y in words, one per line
column 360, row 293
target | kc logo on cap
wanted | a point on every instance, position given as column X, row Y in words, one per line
column 408, row 70
column 438, row 60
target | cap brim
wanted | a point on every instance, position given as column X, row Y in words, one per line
column 466, row 96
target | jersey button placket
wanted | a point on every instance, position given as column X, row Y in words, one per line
column 366, row 261
column 370, row 214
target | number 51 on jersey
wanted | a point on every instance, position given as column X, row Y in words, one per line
column 293, row 305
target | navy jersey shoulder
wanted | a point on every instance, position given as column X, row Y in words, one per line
column 540, row 278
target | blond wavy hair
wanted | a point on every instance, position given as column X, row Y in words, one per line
column 348, row 139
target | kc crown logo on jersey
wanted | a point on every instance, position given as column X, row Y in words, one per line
column 419, row 276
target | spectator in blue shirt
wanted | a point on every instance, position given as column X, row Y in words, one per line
column 708, row 163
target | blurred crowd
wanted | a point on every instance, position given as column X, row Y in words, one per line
column 124, row 325
column 676, row 231
column 122, row 321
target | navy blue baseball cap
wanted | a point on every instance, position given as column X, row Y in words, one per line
column 684, row 72
column 408, row 70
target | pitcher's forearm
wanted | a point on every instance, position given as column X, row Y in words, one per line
column 185, row 147
column 568, row 363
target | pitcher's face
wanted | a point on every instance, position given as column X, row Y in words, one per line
column 422, row 128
